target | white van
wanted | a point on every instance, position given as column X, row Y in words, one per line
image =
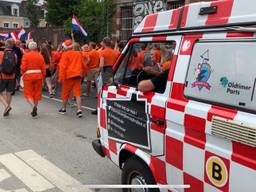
column 198, row 127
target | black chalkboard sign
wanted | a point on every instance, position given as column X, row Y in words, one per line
column 127, row 121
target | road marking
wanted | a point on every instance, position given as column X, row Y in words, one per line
column 4, row 175
column 60, row 101
column 17, row 190
column 20, row 190
column 55, row 175
column 26, row 174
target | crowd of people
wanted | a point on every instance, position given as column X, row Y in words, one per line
column 34, row 67
column 31, row 67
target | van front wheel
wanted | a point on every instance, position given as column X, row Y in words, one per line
column 136, row 172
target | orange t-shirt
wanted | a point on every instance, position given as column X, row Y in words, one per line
column 94, row 59
column 56, row 55
column 166, row 65
column 135, row 63
column 110, row 56
column 157, row 56
column 33, row 60
column 86, row 54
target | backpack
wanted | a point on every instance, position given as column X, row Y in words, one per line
column 8, row 65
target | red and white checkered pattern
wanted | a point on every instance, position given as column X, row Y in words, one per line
column 228, row 12
column 181, row 148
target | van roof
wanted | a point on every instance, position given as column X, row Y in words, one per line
column 220, row 13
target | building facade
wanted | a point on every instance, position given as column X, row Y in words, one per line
column 129, row 13
column 13, row 14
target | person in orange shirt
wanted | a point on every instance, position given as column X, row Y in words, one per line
column 108, row 57
column 71, row 69
column 167, row 56
column 135, row 61
column 145, row 55
column 86, row 51
column 8, row 80
column 33, row 69
column 93, row 66
column 156, row 55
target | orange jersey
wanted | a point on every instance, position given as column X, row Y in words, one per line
column 56, row 56
column 71, row 65
column 166, row 65
column 94, row 59
column 157, row 56
column 110, row 56
column 33, row 60
column 86, row 54
column 118, row 52
column 135, row 63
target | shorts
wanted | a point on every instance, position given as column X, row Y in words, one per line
column 107, row 75
column 8, row 85
column 33, row 89
column 69, row 85
column 48, row 73
column 92, row 74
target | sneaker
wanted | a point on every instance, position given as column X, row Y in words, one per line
column 34, row 112
column 7, row 111
column 79, row 114
column 95, row 112
column 62, row 111
column 85, row 95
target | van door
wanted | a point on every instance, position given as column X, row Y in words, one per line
column 211, row 115
column 134, row 117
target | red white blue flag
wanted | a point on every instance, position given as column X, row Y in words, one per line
column 77, row 27
column 14, row 36
column 22, row 35
column 4, row 35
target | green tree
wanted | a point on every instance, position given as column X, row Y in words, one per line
column 96, row 18
column 33, row 12
column 59, row 11
column 94, row 15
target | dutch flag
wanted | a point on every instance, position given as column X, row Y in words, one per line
column 22, row 35
column 77, row 27
column 4, row 35
column 14, row 36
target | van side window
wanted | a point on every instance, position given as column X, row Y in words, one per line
column 224, row 73
column 144, row 61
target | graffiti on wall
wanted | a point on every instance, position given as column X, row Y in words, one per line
column 142, row 8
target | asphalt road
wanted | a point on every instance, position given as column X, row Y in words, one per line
column 51, row 151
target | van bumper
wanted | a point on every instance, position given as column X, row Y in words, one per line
column 98, row 147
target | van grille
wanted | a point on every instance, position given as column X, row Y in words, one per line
column 234, row 131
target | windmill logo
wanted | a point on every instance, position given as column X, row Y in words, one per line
column 203, row 72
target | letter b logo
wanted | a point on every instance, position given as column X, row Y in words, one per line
column 216, row 171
